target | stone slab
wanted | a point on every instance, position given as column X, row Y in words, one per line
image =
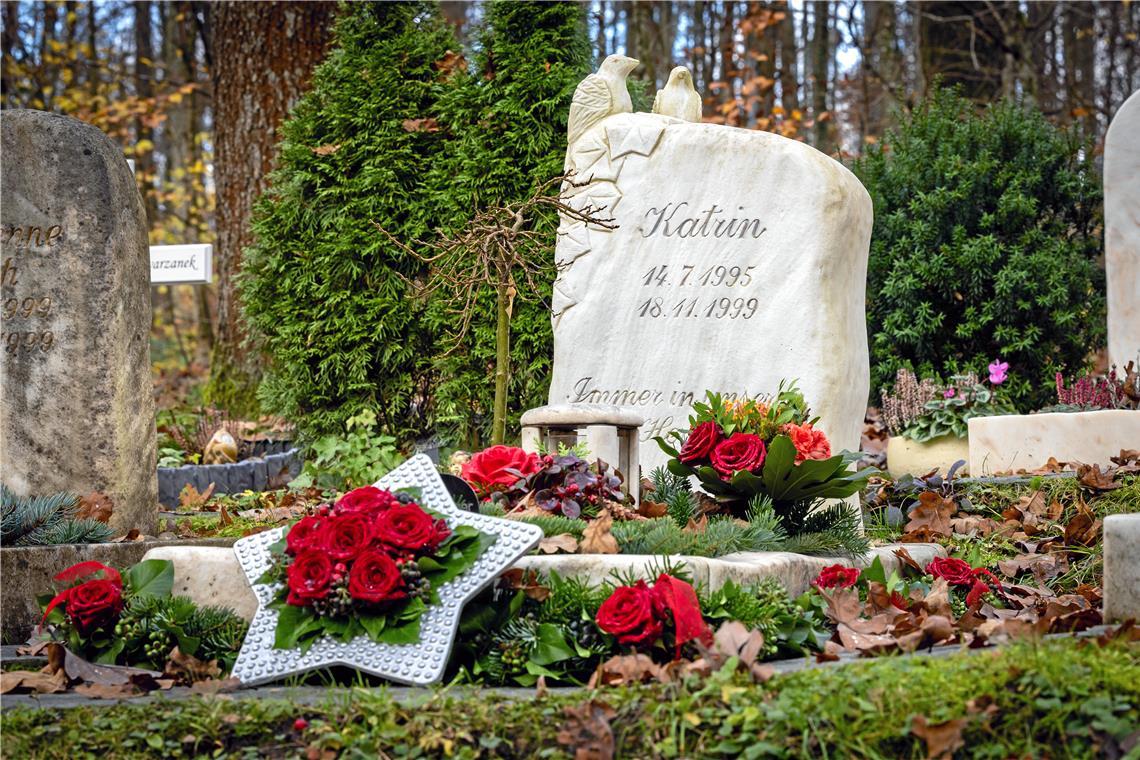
column 1122, row 567
column 1026, row 441
column 209, row 575
column 907, row 457
column 739, row 260
column 581, row 415
column 77, row 411
column 1122, row 231
column 27, row 572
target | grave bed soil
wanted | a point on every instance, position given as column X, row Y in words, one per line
column 1066, row 697
column 27, row 572
column 277, row 462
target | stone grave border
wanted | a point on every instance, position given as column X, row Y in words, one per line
column 247, row 475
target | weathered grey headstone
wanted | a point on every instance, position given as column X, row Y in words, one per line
column 1122, row 231
column 77, row 411
column 740, row 259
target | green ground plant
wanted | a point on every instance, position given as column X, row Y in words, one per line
column 1065, row 698
column 984, row 246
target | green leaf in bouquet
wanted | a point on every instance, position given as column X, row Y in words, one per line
column 151, row 577
column 680, row 469
column 428, row 564
column 672, row 452
column 373, row 625
column 875, row 572
column 550, row 646
column 407, row 632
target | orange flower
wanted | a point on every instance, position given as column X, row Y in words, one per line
column 809, row 442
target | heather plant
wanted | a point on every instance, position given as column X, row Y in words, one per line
column 923, row 411
column 1090, row 392
column 985, row 241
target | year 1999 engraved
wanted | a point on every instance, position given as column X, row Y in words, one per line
column 714, row 308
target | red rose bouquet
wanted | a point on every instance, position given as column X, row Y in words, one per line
column 741, row 449
column 369, row 564
column 641, row 615
column 961, row 575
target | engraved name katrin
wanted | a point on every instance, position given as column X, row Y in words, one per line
column 671, row 221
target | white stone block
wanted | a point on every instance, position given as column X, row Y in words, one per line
column 209, row 575
column 1121, row 567
column 1026, row 441
column 1122, row 231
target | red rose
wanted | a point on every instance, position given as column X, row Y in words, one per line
column 304, row 534
column 375, row 578
column 498, row 468
column 368, row 500
column 740, row 451
column 955, row 571
column 93, row 603
column 346, row 535
column 836, row 576
column 809, row 442
column 977, row 591
column 701, row 442
column 629, row 614
column 308, row 577
column 407, row 526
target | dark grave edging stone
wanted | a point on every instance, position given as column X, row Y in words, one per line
column 272, row 462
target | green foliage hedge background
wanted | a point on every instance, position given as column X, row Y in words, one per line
column 986, row 234
column 327, row 295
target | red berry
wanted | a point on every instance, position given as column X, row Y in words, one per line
column 300, row 724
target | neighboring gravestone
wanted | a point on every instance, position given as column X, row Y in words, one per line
column 1122, row 231
column 740, row 259
column 77, row 411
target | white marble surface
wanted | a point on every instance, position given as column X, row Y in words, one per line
column 209, row 575
column 1122, row 231
column 907, row 457
column 1121, row 568
column 1026, row 441
column 740, row 259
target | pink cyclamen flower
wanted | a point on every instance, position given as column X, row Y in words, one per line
column 948, row 393
column 998, row 372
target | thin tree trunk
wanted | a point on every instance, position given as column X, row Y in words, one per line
column 144, row 87
column 263, row 55
column 789, row 79
column 821, row 54
column 502, row 359
column 48, row 71
column 9, row 40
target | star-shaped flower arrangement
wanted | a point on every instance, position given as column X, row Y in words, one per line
column 418, row 664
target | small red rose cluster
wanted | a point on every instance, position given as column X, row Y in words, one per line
column 959, row 573
column 640, row 615
column 499, row 468
column 95, row 602
column 743, row 451
column 836, row 576
column 362, row 550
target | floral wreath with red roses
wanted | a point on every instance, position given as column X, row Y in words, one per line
column 369, row 564
column 762, row 447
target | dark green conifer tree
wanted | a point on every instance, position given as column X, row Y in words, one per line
column 508, row 124
column 326, row 293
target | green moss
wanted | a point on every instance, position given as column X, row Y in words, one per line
column 1060, row 699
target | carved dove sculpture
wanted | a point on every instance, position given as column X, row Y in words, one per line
column 679, row 98
column 600, row 95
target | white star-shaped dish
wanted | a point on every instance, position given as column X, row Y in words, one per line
column 418, row 664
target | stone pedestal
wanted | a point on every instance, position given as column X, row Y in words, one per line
column 1121, row 568
column 77, row 411
column 609, row 432
column 1013, row 442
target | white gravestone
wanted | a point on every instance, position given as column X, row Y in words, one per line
column 1122, row 231
column 740, row 259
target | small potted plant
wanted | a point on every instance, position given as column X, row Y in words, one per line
column 927, row 420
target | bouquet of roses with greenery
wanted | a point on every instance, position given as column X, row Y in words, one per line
column 738, row 450
column 369, row 564
column 131, row 618
column 667, row 614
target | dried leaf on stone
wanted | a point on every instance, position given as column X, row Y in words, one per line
column 1050, row 466
column 216, row 686
column 974, row 525
column 933, row 513
column 596, row 538
column 131, row 535
column 1043, row 566
column 625, row 669
column 587, row 731
column 78, row 669
column 136, row 686
column 95, row 506
column 189, row 499
column 563, row 542
column 35, row 681
column 942, row 739
column 1092, row 478
column 865, row 643
column 907, row 563
column 843, row 605
column 187, row 669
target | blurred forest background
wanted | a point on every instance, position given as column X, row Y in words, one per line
column 194, row 93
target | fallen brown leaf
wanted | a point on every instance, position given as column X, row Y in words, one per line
column 1043, row 566
column 1083, row 529
column 35, row 681
column 95, row 506
column 942, row 739
column 528, row 581
column 190, row 499
column 596, row 538
column 1092, row 478
column 734, row 639
column 216, row 686
column 626, row 668
column 186, row 669
column 564, row 542
column 652, row 509
column 587, row 731
column 933, row 513
column 937, row 602
column 843, row 605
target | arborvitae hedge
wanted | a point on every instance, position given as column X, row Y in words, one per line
column 508, row 120
column 984, row 246
column 321, row 286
